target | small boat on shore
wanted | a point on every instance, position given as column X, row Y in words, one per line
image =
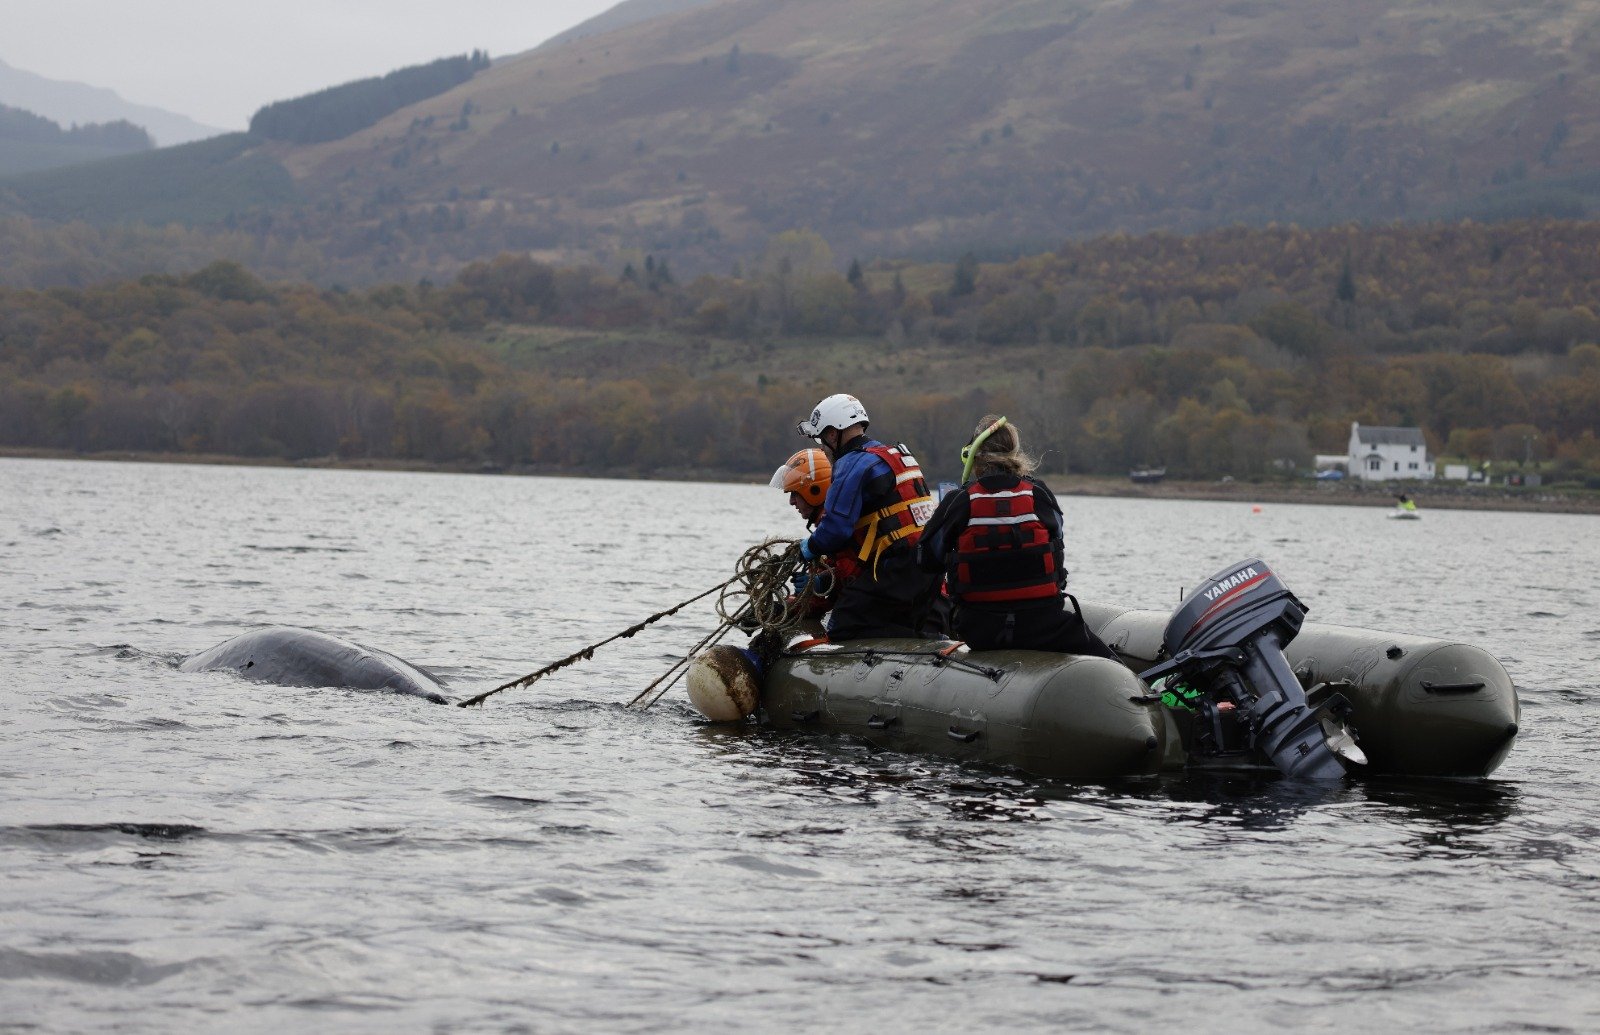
column 1245, row 686
column 1147, row 475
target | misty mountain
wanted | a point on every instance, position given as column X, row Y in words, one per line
column 70, row 103
column 926, row 128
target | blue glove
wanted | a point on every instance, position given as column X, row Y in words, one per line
column 801, row 581
column 805, row 550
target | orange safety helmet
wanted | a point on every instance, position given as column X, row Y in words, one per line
column 808, row 472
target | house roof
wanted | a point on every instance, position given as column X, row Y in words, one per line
column 1376, row 436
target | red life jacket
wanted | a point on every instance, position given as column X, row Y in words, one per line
column 846, row 566
column 1004, row 554
column 895, row 511
column 835, row 570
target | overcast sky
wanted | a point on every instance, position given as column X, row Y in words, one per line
column 217, row 61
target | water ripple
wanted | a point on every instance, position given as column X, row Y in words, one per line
column 183, row 849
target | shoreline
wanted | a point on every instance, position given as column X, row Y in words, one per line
column 1429, row 495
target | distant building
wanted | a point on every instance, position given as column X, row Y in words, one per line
column 1457, row 472
column 1389, row 454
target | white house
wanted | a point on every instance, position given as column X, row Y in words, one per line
column 1389, row 454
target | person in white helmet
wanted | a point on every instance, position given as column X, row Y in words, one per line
column 876, row 506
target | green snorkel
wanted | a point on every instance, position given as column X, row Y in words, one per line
column 969, row 452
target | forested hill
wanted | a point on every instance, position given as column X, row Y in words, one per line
column 1236, row 352
column 340, row 111
column 30, row 142
column 930, row 127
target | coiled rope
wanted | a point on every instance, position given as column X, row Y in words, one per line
column 761, row 593
column 759, row 596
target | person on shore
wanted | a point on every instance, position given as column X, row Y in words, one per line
column 872, row 517
column 999, row 541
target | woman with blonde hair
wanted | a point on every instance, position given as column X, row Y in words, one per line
column 999, row 541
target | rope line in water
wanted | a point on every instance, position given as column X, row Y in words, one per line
column 588, row 652
column 757, row 596
column 679, row 667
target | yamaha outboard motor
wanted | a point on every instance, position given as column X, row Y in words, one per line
column 1227, row 639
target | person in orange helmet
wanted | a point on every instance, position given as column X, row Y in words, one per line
column 806, row 476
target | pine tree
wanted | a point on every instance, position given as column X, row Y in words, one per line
column 966, row 278
column 1346, row 291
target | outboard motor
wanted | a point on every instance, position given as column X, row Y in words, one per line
column 1227, row 639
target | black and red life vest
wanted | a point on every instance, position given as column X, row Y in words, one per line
column 1005, row 554
column 894, row 507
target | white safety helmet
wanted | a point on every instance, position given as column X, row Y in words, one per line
column 836, row 411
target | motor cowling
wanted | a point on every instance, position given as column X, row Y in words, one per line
column 1227, row 639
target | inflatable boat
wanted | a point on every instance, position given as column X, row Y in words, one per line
column 1234, row 679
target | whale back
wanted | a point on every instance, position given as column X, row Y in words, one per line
column 288, row 656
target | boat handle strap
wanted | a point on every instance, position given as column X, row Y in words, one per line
column 1452, row 688
column 964, row 736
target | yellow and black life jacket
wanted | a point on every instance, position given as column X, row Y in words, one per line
column 894, row 507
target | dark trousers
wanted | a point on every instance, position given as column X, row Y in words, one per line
column 893, row 605
column 864, row 616
column 1050, row 627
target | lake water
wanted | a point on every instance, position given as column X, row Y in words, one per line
column 188, row 852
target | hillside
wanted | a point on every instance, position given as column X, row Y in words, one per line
column 629, row 12
column 1233, row 353
column 930, row 127
column 29, row 142
column 208, row 180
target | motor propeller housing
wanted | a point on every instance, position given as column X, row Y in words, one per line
column 1227, row 638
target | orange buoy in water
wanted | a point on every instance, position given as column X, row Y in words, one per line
column 1255, row 509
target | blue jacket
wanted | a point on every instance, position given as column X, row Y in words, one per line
column 842, row 508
